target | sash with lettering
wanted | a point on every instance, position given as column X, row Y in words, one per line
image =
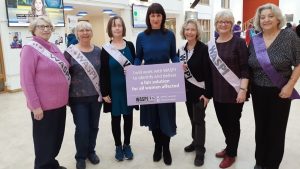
column 87, row 67
column 117, row 55
column 63, row 67
column 184, row 57
column 263, row 59
column 222, row 68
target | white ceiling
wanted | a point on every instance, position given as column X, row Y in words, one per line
column 92, row 10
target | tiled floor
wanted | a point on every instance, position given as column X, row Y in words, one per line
column 16, row 147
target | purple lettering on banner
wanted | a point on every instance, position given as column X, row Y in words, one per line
column 152, row 84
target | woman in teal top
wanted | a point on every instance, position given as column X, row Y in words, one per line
column 157, row 45
column 113, row 85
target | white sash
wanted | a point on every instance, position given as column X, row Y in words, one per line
column 49, row 55
column 187, row 73
column 117, row 55
column 87, row 67
column 223, row 69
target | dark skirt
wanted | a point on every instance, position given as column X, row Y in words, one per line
column 159, row 116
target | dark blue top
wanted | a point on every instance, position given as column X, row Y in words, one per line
column 155, row 48
column 81, row 87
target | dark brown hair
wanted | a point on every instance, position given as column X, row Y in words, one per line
column 158, row 9
column 111, row 22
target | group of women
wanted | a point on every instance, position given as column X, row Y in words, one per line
column 85, row 76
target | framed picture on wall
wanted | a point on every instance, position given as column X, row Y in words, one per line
column 16, row 40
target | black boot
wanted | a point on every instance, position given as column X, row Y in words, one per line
column 189, row 148
column 166, row 149
column 199, row 159
column 157, row 152
column 158, row 145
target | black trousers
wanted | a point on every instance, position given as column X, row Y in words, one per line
column 271, row 116
column 48, row 135
column 116, row 129
column 229, row 115
column 196, row 112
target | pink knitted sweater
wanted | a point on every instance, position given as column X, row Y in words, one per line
column 42, row 81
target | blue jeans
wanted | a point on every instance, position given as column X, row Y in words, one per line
column 86, row 118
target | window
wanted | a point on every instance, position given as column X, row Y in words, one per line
column 171, row 24
column 204, row 2
column 205, row 27
column 225, row 4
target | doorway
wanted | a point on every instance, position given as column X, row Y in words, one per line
column 2, row 70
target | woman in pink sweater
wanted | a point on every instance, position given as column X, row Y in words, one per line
column 45, row 81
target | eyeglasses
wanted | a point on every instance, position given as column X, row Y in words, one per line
column 42, row 27
column 224, row 22
column 84, row 30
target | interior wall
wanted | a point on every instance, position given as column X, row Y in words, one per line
column 98, row 30
column 290, row 8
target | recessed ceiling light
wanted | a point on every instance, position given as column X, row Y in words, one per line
column 107, row 11
column 82, row 13
column 68, row 8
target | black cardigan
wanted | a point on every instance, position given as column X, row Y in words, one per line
column 200, row 69
column 105, row 85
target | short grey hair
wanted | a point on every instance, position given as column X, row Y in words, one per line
column 82, row 25
column 224, row 15
column 33, row 24
column 276, row 11
column 197, row 25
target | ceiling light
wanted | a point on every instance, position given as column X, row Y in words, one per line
column 112, row 14
column 107, row 11
column 68, row 8
column 82, row 13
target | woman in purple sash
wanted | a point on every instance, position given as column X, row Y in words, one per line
column 273, row 81
column 230, row 72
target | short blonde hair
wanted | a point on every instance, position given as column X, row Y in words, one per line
column 82, row 25
column 197, row 25
column 33, row 24
column 276, row 11
column 224, row 15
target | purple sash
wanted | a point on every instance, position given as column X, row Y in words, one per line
column 264, row 61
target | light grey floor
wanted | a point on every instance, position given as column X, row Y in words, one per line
column 16, row 147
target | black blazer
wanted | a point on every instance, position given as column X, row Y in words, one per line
column 105, row 85
column 200, row 69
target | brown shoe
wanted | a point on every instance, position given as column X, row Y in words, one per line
column 227, row 162
column 221, row 154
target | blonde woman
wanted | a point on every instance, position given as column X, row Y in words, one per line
column 194, row 55
column 85, row 98
column 230, row 73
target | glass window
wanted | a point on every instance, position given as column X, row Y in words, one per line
column 204, row 2
column 225, row 4
column 205, row 27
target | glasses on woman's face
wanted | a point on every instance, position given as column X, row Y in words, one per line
column 224, row 22
column 42, row 27
column 84, row 30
